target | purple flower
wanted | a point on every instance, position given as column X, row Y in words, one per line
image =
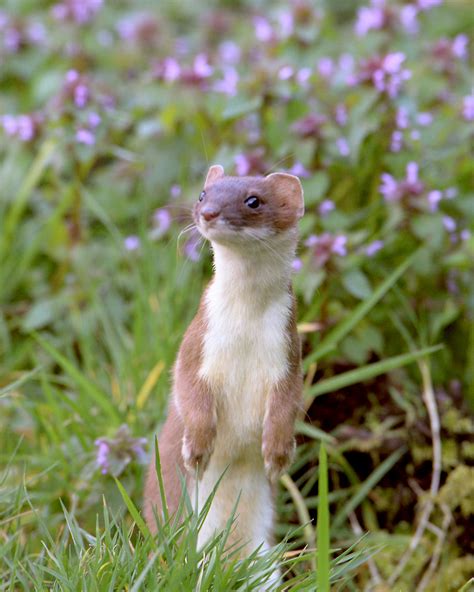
column 131, row 243
column 401, row 119
column 424, row 119
column 93, row 119
column 309, row 126
column 175, row 191
column 459, row 46
column 396, row 190
column 85, row 136
column 228, row 84
column 449, row 224
column 191, row 248
column 115, row 454
column 102, row 458
column 343, row 147
column 396, row 141
column 326, row 245
column 428, row 4
column 326, row 206
column 302, row 77
column 161, row 223
column 171, row 69
column 465, row 235
column 286, row 21
column 299, row 170
column 326, row 67
column 297, row 265
column 468, row 108
column 374, row 247
column 230, row 52
column 285, row 73
column 385, row 73
column 263, row 29
column 201, row 66
column 341, row 114
column 434, row 197
column 409, row 18
column 370, row 17
column 23, row 127
column 79, row 11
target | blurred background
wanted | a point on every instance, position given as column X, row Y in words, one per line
column 110, row 114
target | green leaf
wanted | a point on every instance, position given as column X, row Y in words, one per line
column 329, row 342
column 237, row 107
column 365, row 487
column 89, row 388
column 133, row 510
column 367, row 372
column 357, row 284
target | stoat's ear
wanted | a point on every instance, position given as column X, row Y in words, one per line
column 214, row 173
column 290, row 188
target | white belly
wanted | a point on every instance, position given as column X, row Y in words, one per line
column 244, row 356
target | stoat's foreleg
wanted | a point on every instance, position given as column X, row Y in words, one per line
column 282, row 406
column 196, row 406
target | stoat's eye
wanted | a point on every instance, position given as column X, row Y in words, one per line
column 201, row 195
column 252, row 202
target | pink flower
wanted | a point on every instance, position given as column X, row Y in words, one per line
column 385, row 73
column 459, row 46
column 115, row 454
column 175, row 191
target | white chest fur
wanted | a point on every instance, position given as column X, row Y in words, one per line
column 245, row 347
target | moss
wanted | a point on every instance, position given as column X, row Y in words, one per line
column 458, row 491
column 454, row 576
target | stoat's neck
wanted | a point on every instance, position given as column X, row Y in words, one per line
column 257, row 273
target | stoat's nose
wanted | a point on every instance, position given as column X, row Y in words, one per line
column 209, row 212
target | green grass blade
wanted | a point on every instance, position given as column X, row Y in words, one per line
column 159, row 476
column 14, row 385
column 369, row 371
column 331, row 340
column 367, row 485
column 19, row 203
column 322, row 550
column 89, row 387
column 143, row 528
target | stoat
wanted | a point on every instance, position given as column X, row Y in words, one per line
column 237, row 380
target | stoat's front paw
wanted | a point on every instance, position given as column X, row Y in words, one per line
column 277, row 456
column 196, row 454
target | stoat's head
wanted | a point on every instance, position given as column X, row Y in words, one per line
column 237, row 210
